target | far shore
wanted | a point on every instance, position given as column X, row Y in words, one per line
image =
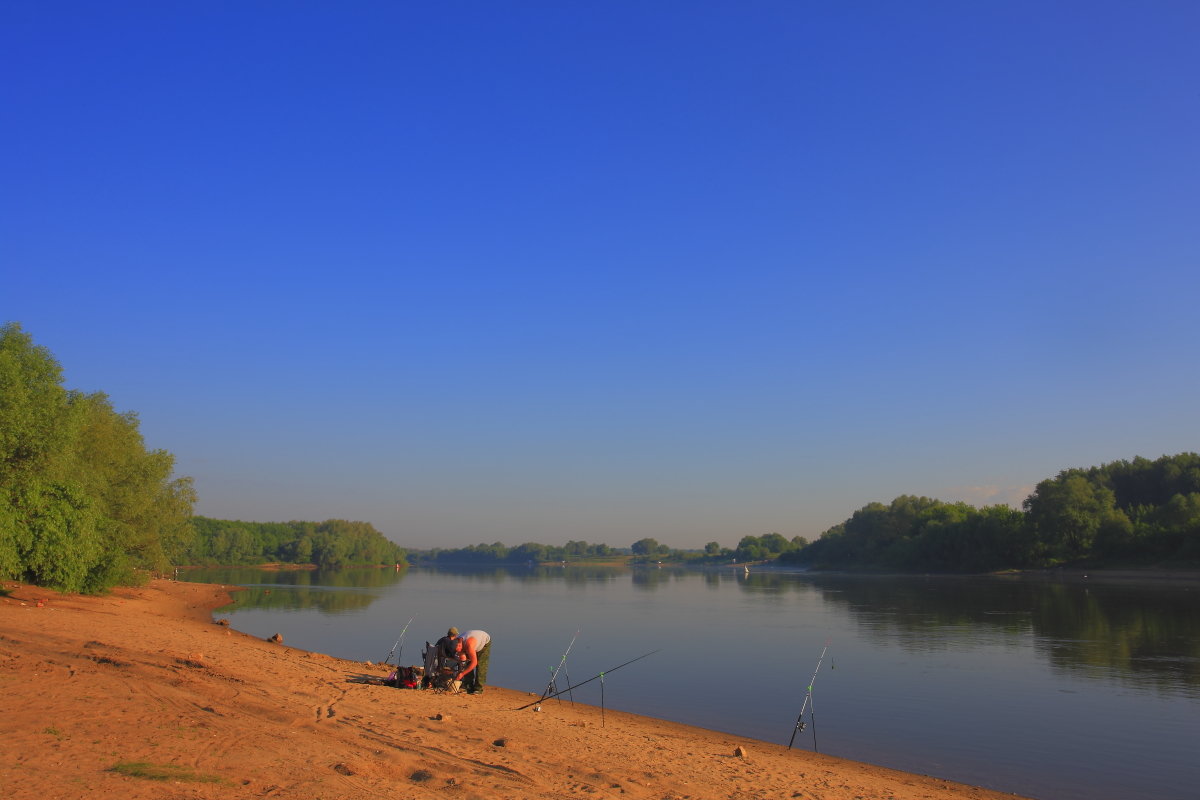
column 139, row 694
column 1124, row 573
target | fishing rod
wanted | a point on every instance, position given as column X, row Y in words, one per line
column 808, row 706
column 554, row 675
column 398, row 641
column 589, row 680
column 601, row 699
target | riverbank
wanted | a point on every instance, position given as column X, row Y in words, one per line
column 139, row 694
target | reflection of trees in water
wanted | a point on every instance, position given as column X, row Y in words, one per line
column 640, row 577
column 327, row 591
column 1151, row 635
column 320, row 598
column 768, row 582
column 1148, row 632
column 571, row 573
column 1144, row 632
column 352, row 577
column 655, row 577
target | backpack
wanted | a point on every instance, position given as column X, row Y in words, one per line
column 409, row 677
column 405, row 677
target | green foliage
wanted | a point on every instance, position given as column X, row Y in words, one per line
column 648, row 547
column 58, row 543
column 1067, row 512
column 498, row 553
column 918, row 533
column 83, row 504
column 131, row 486
column 529, row 552
column 759, row 548
column 1126, row 511
column 35, row 418
column 333, row 543
column 14, row 536
column 1137, row 510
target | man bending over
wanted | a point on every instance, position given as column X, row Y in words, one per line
column 474, row 648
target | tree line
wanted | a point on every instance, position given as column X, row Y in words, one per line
column 499, row 553
column 1124, row 512
column 750, row 548
column 333, row 543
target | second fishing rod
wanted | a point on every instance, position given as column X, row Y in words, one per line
column 807, row 707
column 552, row 685
column 399, row 643
column 589, row 680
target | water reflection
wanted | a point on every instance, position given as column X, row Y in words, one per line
column 658, row 577
column 1145, row 634
column 640, row 576
column 354, row 578
column 537, row 573
column 328, row 591
column 1147, row 638
column 766, row 583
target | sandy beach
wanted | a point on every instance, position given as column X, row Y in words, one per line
column 141, row 694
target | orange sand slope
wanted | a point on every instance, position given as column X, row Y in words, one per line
column 141, row 695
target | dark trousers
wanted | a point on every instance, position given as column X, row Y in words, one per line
column 477, row 677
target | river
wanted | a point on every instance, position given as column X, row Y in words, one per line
column 1061, row 688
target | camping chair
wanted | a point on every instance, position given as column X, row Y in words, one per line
column 441, row 665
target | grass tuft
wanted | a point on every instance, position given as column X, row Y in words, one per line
column 161, row 772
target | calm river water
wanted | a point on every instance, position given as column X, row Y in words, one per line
column 1071, row 689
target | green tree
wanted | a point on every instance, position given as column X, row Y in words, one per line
column 82, row 502
column 330, row 550
column 12, row 535
column 131, row 487
column 758, row 548
column 1067, row 512
column 529, row 551
column 302, row 551
column 37, row 423
column 48, row 526
column 60, row 543
column 645, row 547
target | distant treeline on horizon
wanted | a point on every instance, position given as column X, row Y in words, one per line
column 750, row 548
column 84, row 506
column 1137, row 512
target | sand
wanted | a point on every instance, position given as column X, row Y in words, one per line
column 140, row 694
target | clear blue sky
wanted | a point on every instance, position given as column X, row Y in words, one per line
column 539, row 271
